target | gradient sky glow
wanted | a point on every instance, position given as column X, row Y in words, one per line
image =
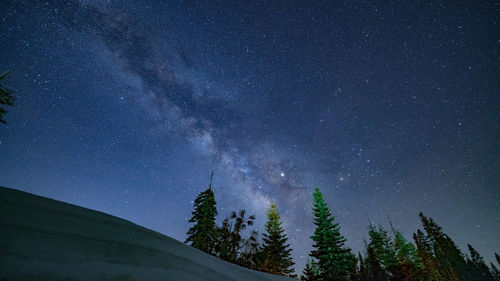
column 390, row 107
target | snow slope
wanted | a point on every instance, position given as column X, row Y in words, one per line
column 44, row 239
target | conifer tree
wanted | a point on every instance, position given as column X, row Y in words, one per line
column 252, row 255
column 380, row 243
column 479, row 269
column 5, row 95
column 410, row 264
column 334, row 261
column 431, row 267
column 353, row 268
column 375, row 270
column 202, row 234
column 495, row 272
column 363, row 272
column 446, row 252
column 277, row 252
column 230, row 244
column 224, row 243
column 310, row 272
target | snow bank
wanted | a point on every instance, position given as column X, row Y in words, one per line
column 44, row 239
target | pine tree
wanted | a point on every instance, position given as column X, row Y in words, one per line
column 431, row 267
column 224, row 241
column 363, row 272
column 230, row 245
column 479, row 269
column 5, row 95
column 383, row 249
column 202, row 234
column 334, row 261
column 239, row 223
column 277, row 252
column 252, row 255
column 410, row 264
column 495, row 272
column 446, row 252
column 310, row 272
column 353, row 268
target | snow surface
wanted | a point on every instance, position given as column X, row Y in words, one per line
column 44, row 239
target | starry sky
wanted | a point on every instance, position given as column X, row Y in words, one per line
column 390, row 107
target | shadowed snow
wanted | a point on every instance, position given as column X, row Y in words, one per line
column 44, row 239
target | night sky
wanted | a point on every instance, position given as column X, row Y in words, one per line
column 390, row 107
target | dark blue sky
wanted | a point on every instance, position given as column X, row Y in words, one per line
column 390, row 107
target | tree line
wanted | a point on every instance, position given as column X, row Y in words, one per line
column 388, row 255
column 228, row 241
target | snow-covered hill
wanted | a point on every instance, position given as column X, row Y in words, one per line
column 44, row 239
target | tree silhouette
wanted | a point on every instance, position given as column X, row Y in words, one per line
column 201, row 234
column 230, row 243
column 5, row 96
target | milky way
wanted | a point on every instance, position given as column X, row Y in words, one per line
column 390, row 108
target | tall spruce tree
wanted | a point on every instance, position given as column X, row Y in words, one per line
column 409, row 263
column 433, row 270
column 277, row 252
column 380, row 242
column 445, row 250
column 478, row 268
column 334, row 261
column 375, row 270
column 202, row 234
